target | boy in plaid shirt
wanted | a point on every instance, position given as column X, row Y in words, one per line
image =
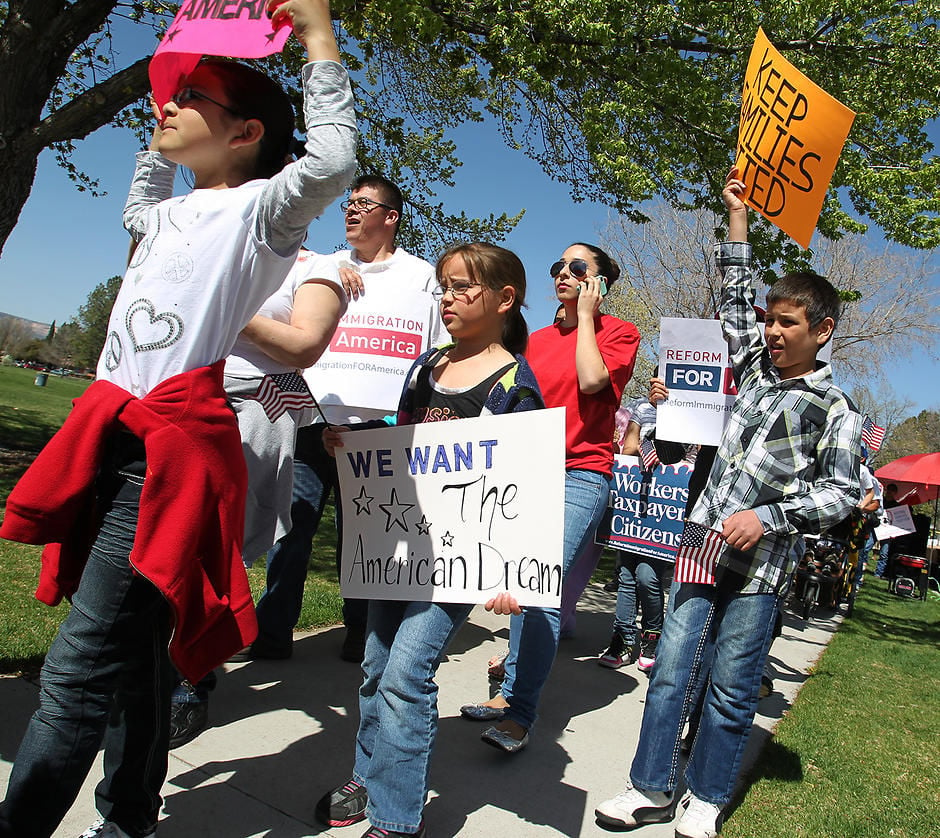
column 788, row 464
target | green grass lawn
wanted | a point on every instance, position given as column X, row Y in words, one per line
column 856, row 757
column 30, row 415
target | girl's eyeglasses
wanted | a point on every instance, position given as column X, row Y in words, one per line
column 578, row 268
column 456, row 289
column 187, row 94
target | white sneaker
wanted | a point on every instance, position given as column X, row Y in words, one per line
column 700, row 820
column 634, row 806
column 108, row 829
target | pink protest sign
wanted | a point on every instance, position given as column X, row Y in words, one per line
column 233, row 28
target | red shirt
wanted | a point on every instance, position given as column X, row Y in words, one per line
column 589, row 422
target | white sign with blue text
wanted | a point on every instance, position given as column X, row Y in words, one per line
column 455, row 511
column 693, row 363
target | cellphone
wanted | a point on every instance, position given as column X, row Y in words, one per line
column 603, row 280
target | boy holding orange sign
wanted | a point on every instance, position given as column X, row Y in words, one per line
column 788, row 464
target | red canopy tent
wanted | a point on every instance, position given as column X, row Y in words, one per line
column 918, row 480
column 917, row 477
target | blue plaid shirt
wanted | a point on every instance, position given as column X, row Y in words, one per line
column 790, row 450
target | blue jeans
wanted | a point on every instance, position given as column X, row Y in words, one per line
column 278, row 610
column 106, row 677
column 884, row 551
column 646, row 577
column 405, row 643
column 712, row 630
column 533, row 635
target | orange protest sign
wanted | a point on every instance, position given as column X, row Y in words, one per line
column 789, row 141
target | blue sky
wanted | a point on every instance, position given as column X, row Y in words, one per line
column 66, row 242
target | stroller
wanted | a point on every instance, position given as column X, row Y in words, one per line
column 821, row 576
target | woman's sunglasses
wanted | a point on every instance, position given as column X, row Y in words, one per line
column 578, row 268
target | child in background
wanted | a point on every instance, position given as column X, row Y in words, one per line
column 145, row 523
column 788, row 464
column 482, row 290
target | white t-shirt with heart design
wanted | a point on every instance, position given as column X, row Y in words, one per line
column 205, row 262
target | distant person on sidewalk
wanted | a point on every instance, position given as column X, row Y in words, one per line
column 889, row 500
column 787, row 464
column 374, row 265
column 641, row 579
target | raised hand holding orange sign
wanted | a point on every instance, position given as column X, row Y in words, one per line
column 789, row 141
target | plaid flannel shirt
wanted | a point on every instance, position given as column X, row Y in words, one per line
column 791, row 448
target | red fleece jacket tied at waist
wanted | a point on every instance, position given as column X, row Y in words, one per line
column 192, row 508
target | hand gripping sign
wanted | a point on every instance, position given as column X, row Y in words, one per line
column 233, row 28
column 789, row 141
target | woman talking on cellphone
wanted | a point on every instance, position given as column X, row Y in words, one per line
column 582, row 362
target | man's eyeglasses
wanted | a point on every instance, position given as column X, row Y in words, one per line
column 578, row 268
column 363, row 205
column 187, row 94
column 461, row 288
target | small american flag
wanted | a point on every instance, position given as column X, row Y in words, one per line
column 698, row 554
column 872, row 435
column 648, row 454
column 282, row 392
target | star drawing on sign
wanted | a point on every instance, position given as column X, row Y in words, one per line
column 424, row 526
column 171, row 35
column 271, row 36
column 362, row 502
column 447, row 540
column 395, row 512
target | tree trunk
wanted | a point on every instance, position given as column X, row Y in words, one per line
column 37, row 39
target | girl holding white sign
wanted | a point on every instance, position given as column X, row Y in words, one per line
column 481, row 288
column 583, row 362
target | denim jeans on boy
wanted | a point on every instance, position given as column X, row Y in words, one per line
column 640, row 578
column 405, row 642
column 107, row 676
column 278, row 610
column 533, row 635
column 727, row 634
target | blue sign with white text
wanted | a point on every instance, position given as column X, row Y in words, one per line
column 646, row 509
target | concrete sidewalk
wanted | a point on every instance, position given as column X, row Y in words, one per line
column 283, row 732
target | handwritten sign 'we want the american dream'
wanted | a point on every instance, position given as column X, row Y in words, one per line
column 789, row 141
column 455, row 511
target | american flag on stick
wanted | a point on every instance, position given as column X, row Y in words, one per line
column 872, row 435
column 282, row 392
column 648, row 454
column 698, row 554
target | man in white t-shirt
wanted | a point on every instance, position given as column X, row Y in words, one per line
column 391, row 318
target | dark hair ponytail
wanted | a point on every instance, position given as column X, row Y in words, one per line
column 605, row 265
column 516, row 330
column 256, row 96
